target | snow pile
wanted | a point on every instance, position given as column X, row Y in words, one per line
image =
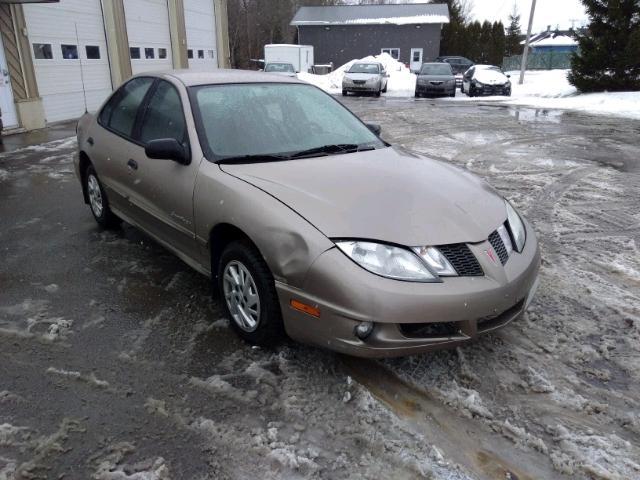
column 401, row 81
column 550, row 89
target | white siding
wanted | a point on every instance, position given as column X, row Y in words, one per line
column 148, row 27
column 200, row 23
column 60, row 80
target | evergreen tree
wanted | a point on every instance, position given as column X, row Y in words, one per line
column 609, row 49
column 512, row 43
column 497, row 44
column 453, row 33
column 485, row 40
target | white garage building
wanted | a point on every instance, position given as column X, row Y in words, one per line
column 62, row 58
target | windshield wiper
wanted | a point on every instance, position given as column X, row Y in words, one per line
column 252, row 159
column 332, row 149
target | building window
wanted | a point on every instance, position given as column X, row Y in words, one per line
column 200, row 53
column 69, row 52
column 394, row 52
column 149, row 53
column 42, row 51
column 134, row 53
column 162, row 53
column 190, row 53
column 212, row 54
column 93, row 52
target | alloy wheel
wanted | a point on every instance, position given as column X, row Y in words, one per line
column 95, row 195
column 241, row 295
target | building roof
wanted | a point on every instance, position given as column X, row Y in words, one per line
column 403, row 14
column 558, row 38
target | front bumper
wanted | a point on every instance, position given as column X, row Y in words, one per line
column 429, row 89
column 361, row 88
column 492, row 90
column 409, row 318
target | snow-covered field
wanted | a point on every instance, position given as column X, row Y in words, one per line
column 548, row 89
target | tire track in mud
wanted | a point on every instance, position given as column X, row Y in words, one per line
column 485, row 454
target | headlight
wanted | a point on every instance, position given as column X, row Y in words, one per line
column 477, row 83
column 516, row 225
column 387, row 261
column 436, row 261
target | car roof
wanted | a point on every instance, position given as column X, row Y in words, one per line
column 221, row 76
column 367, row 63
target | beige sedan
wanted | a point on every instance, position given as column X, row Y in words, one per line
column 308, row 223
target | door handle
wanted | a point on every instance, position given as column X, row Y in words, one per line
column 90, row 141
column 132, row 164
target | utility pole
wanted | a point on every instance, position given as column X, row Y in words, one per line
column 525, row 55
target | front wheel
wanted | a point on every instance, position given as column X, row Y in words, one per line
column 249, row 295
column 377, row 94
column 344, row 93
column 384, row 90
column 98, row 201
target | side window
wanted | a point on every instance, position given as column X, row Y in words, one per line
column 42, row 51
column 164, row 117
column 120, row 112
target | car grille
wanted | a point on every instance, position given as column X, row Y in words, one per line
column 462, row 259
column 498, row 245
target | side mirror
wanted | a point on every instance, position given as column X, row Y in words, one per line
column 375, row 128
column 167, row 149
column 508, row 76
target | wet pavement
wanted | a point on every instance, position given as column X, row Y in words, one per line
column 116, row 364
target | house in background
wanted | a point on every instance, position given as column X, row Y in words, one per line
column 409, row 33
column 557, row 41
column 59, row 58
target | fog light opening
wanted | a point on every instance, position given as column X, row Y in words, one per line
column 363, row 330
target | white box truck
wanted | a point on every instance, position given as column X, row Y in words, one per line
column 300, row 56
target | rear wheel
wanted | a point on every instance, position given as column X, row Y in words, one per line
column 98, row 201
column 249, row 295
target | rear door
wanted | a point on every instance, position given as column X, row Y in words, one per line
column 162, row 190
column 112, row 142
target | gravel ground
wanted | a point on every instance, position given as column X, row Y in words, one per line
column 115, row 364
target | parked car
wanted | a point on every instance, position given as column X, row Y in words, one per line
column 369, row 77
column 436, row 79
column 280, row 68
column 458, row 64
column 482, row 80
column 305, row 219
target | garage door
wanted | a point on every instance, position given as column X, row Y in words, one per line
column 199, row 18
column 70, row 56
column 149, row 35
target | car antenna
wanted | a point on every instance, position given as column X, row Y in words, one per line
column 84, row 90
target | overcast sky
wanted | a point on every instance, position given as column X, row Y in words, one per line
column 548, row 12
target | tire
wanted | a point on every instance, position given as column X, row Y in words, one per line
column 471, row 92
column 344, row 93
column 242, row 260
column 462, row 88
column 98, row 201
column 377, row 94
column 452, row 95
column 385, row 88
column 418, row 95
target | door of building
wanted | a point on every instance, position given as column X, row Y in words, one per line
column 416, row 59
column 9, row 117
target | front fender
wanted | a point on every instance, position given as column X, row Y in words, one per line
column 288, row 243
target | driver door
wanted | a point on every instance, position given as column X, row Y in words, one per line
column 162, row 190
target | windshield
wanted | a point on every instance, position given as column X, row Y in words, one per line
column 262, row 119
column 279, row 67
column 436, row 69
column 364, row 68
column 495, row 69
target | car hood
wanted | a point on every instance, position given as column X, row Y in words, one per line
column 491, row 77
column 436, row 78
column 361, row 76
column 387, row 194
